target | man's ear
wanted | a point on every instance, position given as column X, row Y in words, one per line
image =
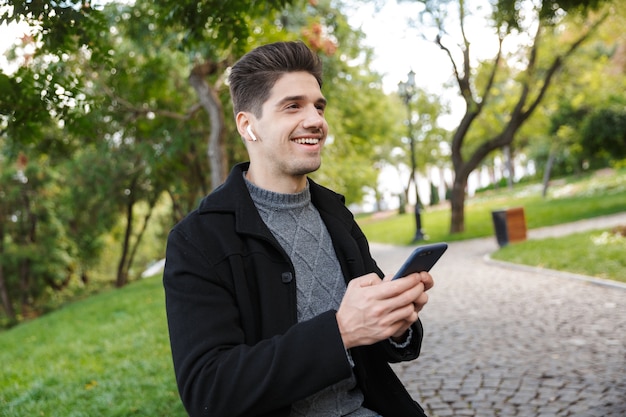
column 244, row 120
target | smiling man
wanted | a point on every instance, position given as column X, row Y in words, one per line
column 275, row 306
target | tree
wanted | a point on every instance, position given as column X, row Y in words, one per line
column 604, row 133
column 589, row 83
column 33, row 242
column 108, row 122
column 536, row 70
column 422, row 136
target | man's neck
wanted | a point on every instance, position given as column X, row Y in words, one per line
column 277, row 184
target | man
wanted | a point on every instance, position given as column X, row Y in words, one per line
column 275, row 306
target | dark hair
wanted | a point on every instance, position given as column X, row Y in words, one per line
column 254, row 75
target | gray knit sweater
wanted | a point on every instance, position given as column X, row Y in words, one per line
column 299, row 229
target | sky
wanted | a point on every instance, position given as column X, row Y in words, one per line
column 398, row 48
column 8, row 35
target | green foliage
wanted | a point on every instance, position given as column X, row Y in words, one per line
column 362, row 141
column 106, row 355
column 48, row 86
column 587, row 85
column 61, row 26
column 508, row 13
column 86, row 215
column 604, row 132
column 24, row 114
column 226, row 24
column 34, row 245
column 590, row 133
column 85, row 129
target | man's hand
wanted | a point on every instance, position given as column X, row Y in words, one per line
column 373, row 309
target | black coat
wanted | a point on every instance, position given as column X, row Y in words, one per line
column 230, row 291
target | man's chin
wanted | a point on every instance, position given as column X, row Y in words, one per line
column 307, row 169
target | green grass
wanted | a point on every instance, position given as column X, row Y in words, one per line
column 575, row 199
column 105, row 355
column 597, row 253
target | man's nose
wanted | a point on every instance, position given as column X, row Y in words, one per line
column 314, row 118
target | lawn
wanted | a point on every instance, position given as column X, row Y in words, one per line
column 573, row 199
column 107, row 355
column 598, row 253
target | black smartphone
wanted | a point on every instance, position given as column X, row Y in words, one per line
column 422, row 259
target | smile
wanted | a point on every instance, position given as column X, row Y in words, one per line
column 307, row 141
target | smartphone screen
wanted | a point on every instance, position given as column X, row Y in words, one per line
column 423, row 258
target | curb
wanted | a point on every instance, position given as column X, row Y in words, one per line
column 555, row 273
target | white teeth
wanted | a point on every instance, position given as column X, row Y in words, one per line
column 307, row 141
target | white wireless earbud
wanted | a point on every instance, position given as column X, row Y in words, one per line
column 249, row 129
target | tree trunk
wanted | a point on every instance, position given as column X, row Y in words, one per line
column 547, row 173
column 510, row 170
column 7, row 305
column 212, row 105
column 25, row 283
column 140, row 235
column 457, row 205
column 122, row 269
column 129, row 250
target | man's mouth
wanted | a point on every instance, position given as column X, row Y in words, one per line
column 307, row 141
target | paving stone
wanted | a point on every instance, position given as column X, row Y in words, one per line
column 508, row 341
column 464, row 412
column 444, row 413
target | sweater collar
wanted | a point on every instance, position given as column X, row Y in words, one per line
column 278, row 201
column 233, row 196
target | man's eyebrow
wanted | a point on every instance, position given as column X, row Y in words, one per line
column 288, row 99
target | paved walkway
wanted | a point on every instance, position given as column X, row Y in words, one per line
column 509, row 341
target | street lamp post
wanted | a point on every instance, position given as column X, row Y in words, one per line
column 407, row 91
